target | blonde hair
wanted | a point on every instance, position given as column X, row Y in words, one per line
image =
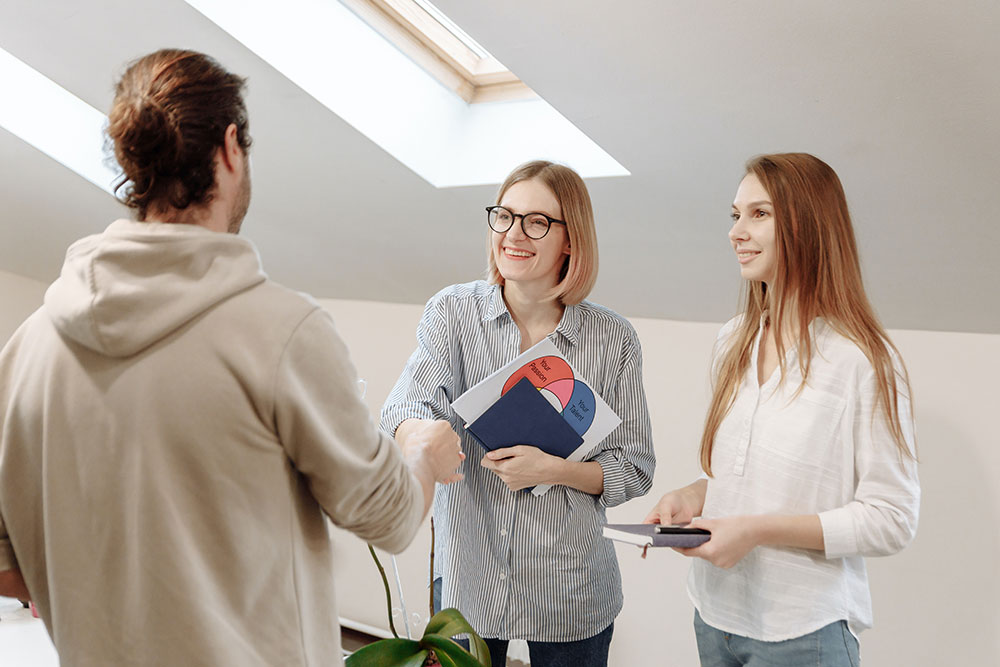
column 579, row 273
column 817, row 274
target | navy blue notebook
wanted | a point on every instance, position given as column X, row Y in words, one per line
column 522, row 416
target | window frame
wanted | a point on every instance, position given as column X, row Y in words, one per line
column 441, row 53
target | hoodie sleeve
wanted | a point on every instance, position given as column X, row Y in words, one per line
column 7, row 560
column 355, row 472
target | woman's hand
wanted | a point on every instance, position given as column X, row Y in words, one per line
column 679, row 506
column 522, row 466
column 732, row 538
column 735, row 536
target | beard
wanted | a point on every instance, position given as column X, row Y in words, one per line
column 242, row 202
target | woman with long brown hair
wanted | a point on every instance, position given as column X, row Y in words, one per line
column 808, row 447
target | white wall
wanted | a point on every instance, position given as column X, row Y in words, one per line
column 19, row 297
column 935, row 604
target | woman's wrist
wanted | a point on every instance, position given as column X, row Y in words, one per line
column 694, row 496
column 586, row 476
column 802, row 531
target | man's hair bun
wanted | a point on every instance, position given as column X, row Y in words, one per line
column 169, row 116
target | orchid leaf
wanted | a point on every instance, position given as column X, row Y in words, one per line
column 385, row 652
column 445, row 618
column 416, row 660
column 450, row 650
column 450, row 622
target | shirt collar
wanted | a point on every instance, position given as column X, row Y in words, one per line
column 817, row 328
column 495, row 305
column 569, row 324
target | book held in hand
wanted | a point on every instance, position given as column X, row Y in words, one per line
column 522, row 416
column 520, row 419
column 655, row 535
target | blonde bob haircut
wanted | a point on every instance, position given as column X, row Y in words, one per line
column 579, row 273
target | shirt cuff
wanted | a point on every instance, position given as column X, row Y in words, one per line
column 839, row 537
column 392, row 417
column 614, row 480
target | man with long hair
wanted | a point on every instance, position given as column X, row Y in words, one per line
column 175, row 428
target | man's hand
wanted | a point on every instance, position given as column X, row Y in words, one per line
column 433, row 452
column 522, row 466
column 433, row 446
column 679, row 506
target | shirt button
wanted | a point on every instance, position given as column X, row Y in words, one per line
column 503, row 532
column 503, row 576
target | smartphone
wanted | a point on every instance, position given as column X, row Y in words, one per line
column 681, row 530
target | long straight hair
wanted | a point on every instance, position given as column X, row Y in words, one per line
column 817, row 274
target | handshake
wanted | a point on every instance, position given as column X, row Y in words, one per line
column 431, row 449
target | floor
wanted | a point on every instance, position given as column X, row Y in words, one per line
column 23, row 639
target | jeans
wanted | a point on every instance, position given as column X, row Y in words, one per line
column 591, row 652
column 830, row 646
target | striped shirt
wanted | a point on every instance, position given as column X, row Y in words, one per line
column 825, row 451
column 516, row 565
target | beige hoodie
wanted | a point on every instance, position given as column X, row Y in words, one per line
column 173, row 426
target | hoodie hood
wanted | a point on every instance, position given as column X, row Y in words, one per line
column 121, row 291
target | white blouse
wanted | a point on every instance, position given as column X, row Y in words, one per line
column 827, row 451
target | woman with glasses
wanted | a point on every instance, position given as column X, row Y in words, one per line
column 521, row 566
column 808, row 444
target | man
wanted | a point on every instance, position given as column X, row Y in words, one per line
column 175, row 428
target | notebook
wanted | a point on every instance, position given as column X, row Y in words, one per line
column 522, row 416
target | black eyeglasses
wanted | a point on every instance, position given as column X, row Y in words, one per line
column 534, row 225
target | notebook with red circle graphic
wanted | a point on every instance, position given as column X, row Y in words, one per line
column 545, row 370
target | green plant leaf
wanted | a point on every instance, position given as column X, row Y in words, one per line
column 416, row 661
column 385, row 652
column 448, row 649
column 479, row 649
column 445, row 660
column 445, row 618
column 450, row 622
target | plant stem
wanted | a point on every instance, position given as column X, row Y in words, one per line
column 388, row 595
column 432, row 570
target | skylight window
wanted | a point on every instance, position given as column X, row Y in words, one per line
column 445, row 51
column 44, row 114
column 340, row 60
column 452, row 27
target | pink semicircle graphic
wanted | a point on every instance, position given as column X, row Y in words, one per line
column 563, row 389
column 552, row 399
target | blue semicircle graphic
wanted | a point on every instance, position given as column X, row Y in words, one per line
column 580, row 410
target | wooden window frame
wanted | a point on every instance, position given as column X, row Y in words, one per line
column 443, row 55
